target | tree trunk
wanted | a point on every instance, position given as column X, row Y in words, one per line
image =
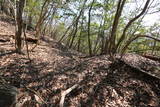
column 89, row 21
column 112, row 38
column 80, row 35
column 19, row 20
column 30, row 20
column 76, row 24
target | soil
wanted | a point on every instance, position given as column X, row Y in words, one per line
column 55, row 68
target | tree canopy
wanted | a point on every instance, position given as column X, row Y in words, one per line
column 95, row 26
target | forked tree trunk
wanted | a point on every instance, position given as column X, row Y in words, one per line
column 111, row 42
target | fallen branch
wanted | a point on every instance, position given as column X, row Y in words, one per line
column 64, row 93
column 31, row 39
column 36, row 94
column 4, row 40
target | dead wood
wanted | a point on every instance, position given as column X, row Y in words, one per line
column 4, row 40
column 64, row 93
column 150, row 73
column 30, row 39
column 155, row 58
column 22, row 100
column 29, row 93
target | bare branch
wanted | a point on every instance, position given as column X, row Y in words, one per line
column 136, row 37
column 131, row 21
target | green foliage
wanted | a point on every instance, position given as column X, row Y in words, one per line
column 102, row 17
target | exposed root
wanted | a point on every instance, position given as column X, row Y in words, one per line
column 38, row 97
column 64, row 93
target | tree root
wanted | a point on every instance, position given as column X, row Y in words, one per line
column 30, row 92
column 64, row 93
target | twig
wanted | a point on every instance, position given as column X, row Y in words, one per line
column 34, row 46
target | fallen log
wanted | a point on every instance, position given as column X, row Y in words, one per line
column 29, row 39
column 155, row 73
column 4, row 40
column 155, row 58
column 32, row 40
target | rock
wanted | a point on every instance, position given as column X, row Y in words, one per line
column 8, row 95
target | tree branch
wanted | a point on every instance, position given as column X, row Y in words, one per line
column 130, row 23
column 136, row 37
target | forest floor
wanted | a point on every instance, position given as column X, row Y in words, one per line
column 94, row 81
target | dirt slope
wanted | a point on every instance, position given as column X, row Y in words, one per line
column 54, row 69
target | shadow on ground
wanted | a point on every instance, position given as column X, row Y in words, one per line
column 114, row 85
column 101, row 82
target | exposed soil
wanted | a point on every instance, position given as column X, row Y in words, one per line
column 55, row 68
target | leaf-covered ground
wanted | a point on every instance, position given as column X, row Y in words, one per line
column 54, row 69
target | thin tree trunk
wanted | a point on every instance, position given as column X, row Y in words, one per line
column 76, row 24
column 79, row 40
column 43, row 15
column 100, row 34
column 154, row 45
column 112, row 38
column 19, row 12
column 89, row 21
column 69, row 27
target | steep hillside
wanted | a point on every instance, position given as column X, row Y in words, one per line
column 56, row 70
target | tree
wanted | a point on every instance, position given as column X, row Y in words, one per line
column 76, row 24
column 19, row 21
column 110, row 43
column 130, row 23
column 89, row 21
